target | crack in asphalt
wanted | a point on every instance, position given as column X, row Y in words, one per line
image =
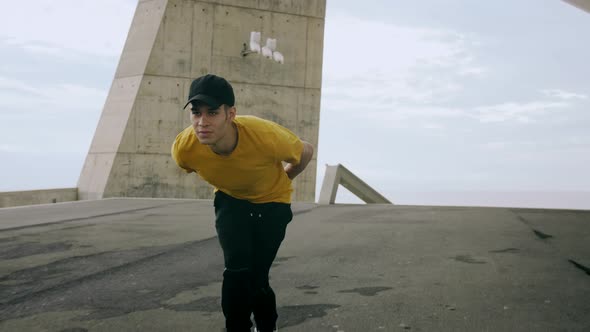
column 90, row 217
column 580, row 266
column 163, row 271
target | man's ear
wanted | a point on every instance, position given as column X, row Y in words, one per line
column 231, row 112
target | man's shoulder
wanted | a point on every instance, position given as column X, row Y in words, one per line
column 185, row 139
column 250, row 120
column 257, row 124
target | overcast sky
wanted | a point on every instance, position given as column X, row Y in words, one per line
column 430, row 96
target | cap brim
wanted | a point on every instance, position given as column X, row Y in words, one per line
column 210, row 101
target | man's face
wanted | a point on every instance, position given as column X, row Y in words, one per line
column 211, row 125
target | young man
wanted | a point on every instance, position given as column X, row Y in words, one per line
column 241, row 156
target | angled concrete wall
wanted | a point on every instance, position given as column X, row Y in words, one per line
column 340, row 175
column 171, row 42
column 42, row 196
column 582, row 4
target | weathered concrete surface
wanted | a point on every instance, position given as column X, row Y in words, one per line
column 155, row 265
column 582, row 4
column 42, row 196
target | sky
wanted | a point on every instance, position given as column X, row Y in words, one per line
column 453, row 102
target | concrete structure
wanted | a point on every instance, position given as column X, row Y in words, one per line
column 582, row 4
column 155, row 265
column 340, row 175
column 171, row 42
column 47, row 196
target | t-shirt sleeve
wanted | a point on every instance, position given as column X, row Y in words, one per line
column 288, row 147
column 176, row 155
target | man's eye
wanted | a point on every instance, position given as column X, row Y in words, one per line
column 212, row 113
column 196, row 113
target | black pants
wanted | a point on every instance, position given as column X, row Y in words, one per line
column 250, row 235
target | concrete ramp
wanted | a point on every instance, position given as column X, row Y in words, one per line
column 155, row 265
column 339, row 175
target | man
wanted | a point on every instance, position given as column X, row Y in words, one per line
column 242, row 157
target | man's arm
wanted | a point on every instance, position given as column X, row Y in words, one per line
column 176, row 155
column 306, row 154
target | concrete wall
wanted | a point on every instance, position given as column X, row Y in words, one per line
column 170, row 43
column 19, row 198
column 582, row 4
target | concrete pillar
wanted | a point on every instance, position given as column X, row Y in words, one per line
column 582, row 4
column 170, row 43
column 340, row 175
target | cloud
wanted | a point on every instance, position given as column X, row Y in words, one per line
column 473, row 71
column 7, row 84
column 67, row 27
column 58, row 98
column 439, row 117
column 393, row 75
column 416, row 77
column 519, row 112
column 561, row 94
column 10, row 147
column 509, row 144
column 50, row 115
column 398, row 64
column 560, row 143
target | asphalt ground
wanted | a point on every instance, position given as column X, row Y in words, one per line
column 156, row 265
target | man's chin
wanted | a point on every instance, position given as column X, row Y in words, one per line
column 205, row 140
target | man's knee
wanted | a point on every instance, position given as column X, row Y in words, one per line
column 241, row 273
column 237, row 281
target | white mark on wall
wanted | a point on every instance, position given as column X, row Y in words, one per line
column 269, row 50
column 255, row 41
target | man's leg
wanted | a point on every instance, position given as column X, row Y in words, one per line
column 234, row 229
column 269, row 232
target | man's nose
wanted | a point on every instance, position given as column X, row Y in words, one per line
column 202, row 121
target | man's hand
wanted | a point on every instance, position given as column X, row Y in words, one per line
column 306, row 154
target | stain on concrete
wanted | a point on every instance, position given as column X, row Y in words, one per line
column 538, row 233
column 91, row 217
column 307, row 287
column 207, row 304
column 69, row 228
column 310, row 292
column 75, row 329
column 283, row 259
column 541, row 235
column 112, row 284
column 304, row 211
column 580, row 266
column 25, row 249
column 279, row 260
column 468, row 259
column 366, row 291
column 295, row 315
column 506, row 251
column 8, row 239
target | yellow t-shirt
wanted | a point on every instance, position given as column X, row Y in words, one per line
column 254, row 170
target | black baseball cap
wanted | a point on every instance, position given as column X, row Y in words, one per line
column 211, row 90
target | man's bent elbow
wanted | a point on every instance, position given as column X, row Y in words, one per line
column 308, row 149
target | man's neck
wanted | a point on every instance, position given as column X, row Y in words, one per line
column 228, row 143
